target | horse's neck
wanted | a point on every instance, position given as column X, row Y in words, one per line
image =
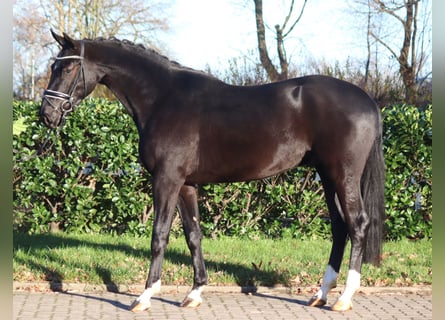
column 135, row 89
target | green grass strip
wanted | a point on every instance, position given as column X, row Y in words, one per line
column 105, row 259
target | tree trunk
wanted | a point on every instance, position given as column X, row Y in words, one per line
column 281, row 33
column 262, row 48
column 284, row 65
column 368, row 47
column 407, row 59
column 408, row 62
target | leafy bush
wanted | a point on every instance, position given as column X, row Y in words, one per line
column 89, row 180
column 291, row 204
column 408, row 152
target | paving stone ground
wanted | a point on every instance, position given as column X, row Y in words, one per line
column 271, row 305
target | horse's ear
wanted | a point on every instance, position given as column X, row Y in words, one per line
column 69, row 42
column 59, row 39
column 65, row 41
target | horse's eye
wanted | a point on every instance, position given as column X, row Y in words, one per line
column 68, row 69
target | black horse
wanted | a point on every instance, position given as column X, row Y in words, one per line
column 195, row 129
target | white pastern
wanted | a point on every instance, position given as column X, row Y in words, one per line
column 195, row 294
column 145, row 297
column 329, row 282
column 352, row 285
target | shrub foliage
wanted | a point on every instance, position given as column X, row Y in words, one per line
column 88, row 179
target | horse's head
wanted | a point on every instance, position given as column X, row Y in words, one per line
column 70, row 81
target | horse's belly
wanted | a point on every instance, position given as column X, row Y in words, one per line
column 285, row 158
column 247, row 164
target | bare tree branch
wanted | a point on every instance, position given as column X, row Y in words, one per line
column 383, row 43
column 138, row 20
column 408, row 56
column 281, row 34
column 381, row 6
column 296, row 20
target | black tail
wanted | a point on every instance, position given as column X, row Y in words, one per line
column 373, row 193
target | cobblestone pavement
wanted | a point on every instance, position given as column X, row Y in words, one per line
column 217, row 305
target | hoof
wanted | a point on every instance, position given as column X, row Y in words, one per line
column 190, row 303
column 342, row 306
column 316, row 302
column 137, row 306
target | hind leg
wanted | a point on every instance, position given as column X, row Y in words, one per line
column 188, row 209
column 357, row 221
column 339, row 233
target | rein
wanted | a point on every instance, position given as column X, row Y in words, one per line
column 43, row 145
column 67, row 105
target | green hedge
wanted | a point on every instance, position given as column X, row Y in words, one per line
column 408, row 137
column 89, row 179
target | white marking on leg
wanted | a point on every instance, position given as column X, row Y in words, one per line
column 145, row 297
column 352, row 285
column 329, row 282
column 193, row 299
column 195, row 294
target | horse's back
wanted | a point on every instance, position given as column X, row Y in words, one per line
column 233, row 133
column 327, row 93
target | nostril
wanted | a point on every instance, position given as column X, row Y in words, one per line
column 46, row 119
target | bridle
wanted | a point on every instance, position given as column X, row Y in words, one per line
column 67, row 105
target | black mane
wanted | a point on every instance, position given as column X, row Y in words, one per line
column 149, row 52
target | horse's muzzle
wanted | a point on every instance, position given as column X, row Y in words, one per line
column 50, row 116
